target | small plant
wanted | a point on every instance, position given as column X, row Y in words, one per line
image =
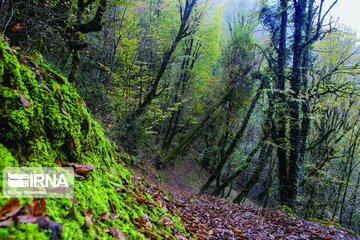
column 287, row 210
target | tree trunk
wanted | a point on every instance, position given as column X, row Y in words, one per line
column 192, row 53
column 265, row 152
column 236, row 139
column 182, row 32
column 236, row 174
column 354, row 200
column 295, row 160
column 192, row 136
column 280, row 99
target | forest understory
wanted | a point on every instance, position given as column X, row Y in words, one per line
column 182, row 119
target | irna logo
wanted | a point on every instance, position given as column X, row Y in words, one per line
column 30, row 182
column 37, row 180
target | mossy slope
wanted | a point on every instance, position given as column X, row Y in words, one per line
column 43, row 122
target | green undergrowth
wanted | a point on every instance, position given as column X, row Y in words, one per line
column 326, row 222
column 287, row 210
column 44, row 122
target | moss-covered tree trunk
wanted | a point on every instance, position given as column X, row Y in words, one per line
column 280, row 97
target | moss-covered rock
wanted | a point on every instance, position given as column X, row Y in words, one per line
column 44, row 122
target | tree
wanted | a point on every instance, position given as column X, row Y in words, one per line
column 187, row 27
column 295, row 128
column 49, row 23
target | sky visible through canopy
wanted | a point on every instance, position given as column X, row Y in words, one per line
column 347, row 11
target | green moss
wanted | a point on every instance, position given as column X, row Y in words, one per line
column 287, row 210
column 6, row 159
column 325, row 222
column 24, row 232
column 58, row 127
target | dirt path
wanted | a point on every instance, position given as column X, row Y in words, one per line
column 212, row 218
column 208, row 217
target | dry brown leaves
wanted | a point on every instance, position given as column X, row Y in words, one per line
column 35, row 212
column 208, row 217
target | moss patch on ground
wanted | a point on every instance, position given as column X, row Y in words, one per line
column 44, row 122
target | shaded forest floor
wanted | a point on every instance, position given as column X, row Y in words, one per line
column 208, row 217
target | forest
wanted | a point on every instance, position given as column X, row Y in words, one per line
column 182, row 119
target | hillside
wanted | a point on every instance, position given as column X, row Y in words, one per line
column 44, row 122
column 240, row 110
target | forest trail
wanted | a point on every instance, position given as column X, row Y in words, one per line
column 210, row 218
column 185, row 176
column 148, row 103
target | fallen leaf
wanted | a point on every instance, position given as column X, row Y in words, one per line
column 180, row 237
column 146, row 221
column 57, row 77
column 74, row 200
column 88, row 217
column 64, row 111
column 23, row 100
column 81, row 169
column 38, row 207
column 112, row 207
column 16, row 48
column 14, row 211
column 117, row 234
column 314, row 233
column 58, row 92
column 12, row 204
column 58, row 162
column 6, row 223
column 104, row 216
column 27, row 219
column 165, row 221
column 35, row 212
column 140, row 200
column 45, row 87
column 39, row 73
column 148, row 233
column 23, row 60
column 17, row 27
column 88, row 221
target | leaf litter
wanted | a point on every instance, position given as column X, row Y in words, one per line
column 211, row 218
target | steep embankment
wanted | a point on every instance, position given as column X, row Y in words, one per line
column 44, row 122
